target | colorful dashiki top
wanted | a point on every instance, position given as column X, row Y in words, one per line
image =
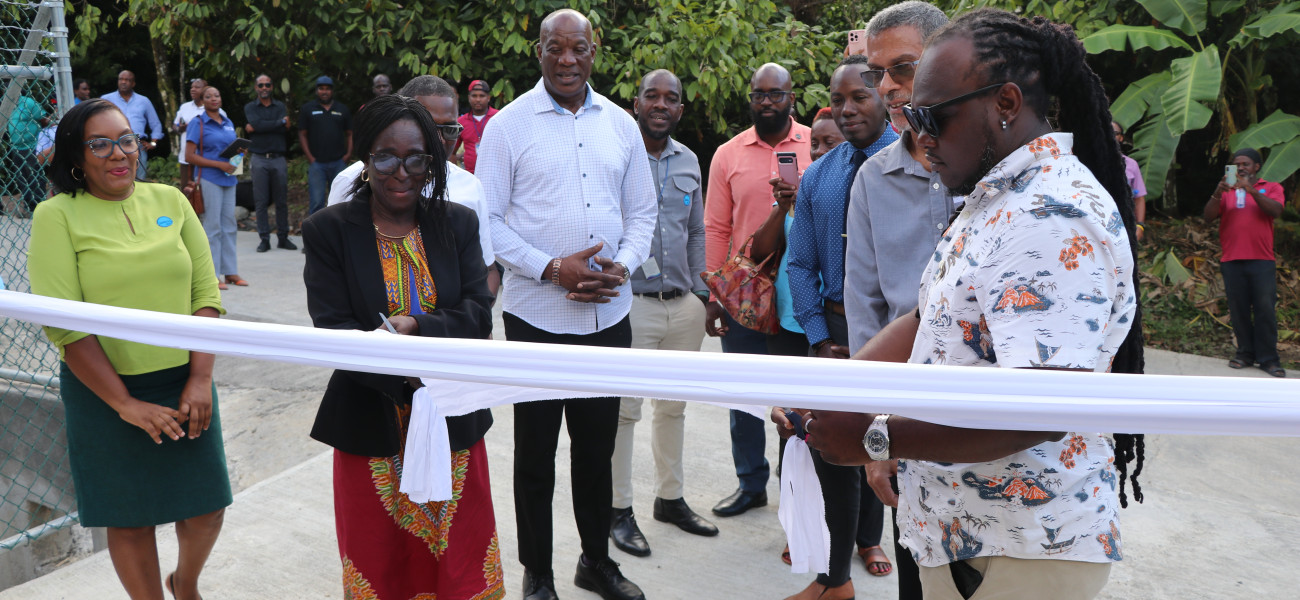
column 409, row 285
column 1035, row 271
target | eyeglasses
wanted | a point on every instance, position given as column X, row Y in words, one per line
column 776, row 97
column 263, row 85
column 922, row 118
column 103, row 147
column 450, row 131
column 899, row 73
column 416, row 164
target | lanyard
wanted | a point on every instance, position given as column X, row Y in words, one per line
column 664, row 183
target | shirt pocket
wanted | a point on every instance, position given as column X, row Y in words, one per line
column 679, row 194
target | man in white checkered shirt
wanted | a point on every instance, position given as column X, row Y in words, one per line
column 573, row 206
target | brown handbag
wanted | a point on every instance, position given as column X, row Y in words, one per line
column 195, row 191
column 746, row 290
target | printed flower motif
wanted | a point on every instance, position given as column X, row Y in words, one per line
column 1045, row 144
column 1076, row 246
column 1076, row 446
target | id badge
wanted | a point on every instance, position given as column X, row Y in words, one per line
column 650, row 268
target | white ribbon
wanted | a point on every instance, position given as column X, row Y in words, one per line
column 803, row 510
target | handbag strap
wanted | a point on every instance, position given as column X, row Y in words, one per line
column 198, row 169
column 744, row 249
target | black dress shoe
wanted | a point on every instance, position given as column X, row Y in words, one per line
column 264, row 246
column 740, row 502
column 604, row 578
column 539, row 588
column 625, row 533
column 681, row 515
column 285, row 244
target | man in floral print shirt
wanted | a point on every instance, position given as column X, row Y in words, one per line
column 1036, row 271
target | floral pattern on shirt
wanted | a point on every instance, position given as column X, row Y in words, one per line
column 1035, row 271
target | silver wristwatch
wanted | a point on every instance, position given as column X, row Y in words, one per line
column 876, row 441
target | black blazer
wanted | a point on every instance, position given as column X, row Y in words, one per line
column 345, row 290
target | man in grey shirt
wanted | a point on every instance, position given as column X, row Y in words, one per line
column 898, row 211
column 667, row 312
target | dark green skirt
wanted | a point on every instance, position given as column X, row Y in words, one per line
column 123, row 479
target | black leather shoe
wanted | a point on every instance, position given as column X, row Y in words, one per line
column 681, row 515
column 285, row 244
column 264, row 246
column 740, row 502
column 539, row 588
column 604, row 578
column 625, row 533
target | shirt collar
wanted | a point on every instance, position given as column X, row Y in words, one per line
column 673, row 147
column 552, row 105
column 1003, row 176
column 750, row 136
column 886, row 138
column 207, row 118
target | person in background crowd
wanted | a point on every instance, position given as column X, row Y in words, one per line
column 380, row 86
column 1246, row 210
column 80, row 91
column 413, row 257
column 898, row 210
column 25, row 123
column 268, row 122
column 817, row 246
column 142, row 116
column 184, row 115
column 825, row 135
column 439, row 98
column 475, row 121
column 134, row 413
column 667, row 311
column 994, row 292
column 325, row 134
column 215, row 175
column 740, row 192
column 1133, row 173
column 561, row 288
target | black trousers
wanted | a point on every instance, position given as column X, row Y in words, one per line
column 592, row 424
column 1251, row 287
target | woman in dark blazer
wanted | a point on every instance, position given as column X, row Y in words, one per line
column 400, row 249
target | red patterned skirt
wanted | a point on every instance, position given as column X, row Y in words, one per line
column 395, row 549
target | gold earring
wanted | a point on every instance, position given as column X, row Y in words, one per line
column 74, row 174
column 365, row 175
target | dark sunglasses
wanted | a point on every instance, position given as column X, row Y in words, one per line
column 776, row 96
column 264, row 85
column 103, row 147
column 450, row 132
column 899, row 73
column 416, row 164
column 922, row 118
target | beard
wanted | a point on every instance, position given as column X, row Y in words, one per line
column 653, row 134
column 771, row 125
column 986, row 164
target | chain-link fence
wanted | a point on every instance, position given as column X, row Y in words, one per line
column 36, row 89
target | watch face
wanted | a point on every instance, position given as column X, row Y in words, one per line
column 877, row 442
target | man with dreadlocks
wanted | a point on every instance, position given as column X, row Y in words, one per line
column 1036, row 271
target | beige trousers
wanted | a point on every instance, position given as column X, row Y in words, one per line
column 676, row 324
column 1020, row 579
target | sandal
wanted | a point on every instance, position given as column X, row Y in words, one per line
column 876, row 561
column 221, row 285
column 785, row 555
column 171, row 589
column 1274, row 369
column 236, row 280
column 1237, row 363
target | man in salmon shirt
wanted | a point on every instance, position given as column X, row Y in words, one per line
column 740, row 197
column 1247, row 209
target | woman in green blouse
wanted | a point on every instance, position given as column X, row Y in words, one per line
column 143, row 431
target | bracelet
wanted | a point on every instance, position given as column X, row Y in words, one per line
column 555, row 271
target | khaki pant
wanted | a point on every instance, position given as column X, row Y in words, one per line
column 1020, row 579
column 676, row 324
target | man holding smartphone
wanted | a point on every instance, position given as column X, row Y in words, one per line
column 1246, row 207
column 740, row 198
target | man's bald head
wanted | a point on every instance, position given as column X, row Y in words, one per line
column 565, row 16
column 654, row 75
column 771, row 75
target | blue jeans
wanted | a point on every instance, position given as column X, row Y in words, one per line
column 1251, row 287
column 319, row 178
column 747, row 431
column 219, row 224
column 142, row 165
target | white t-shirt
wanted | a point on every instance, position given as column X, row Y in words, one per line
column 185, row 114
column 463, row 188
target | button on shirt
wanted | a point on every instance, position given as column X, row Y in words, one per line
column 1246, row 233
column 816, row 240
column 678, row 242
column 471, row 134
column 1036, row 271
column 898, row 212
column 268, row 126
column 557, row 183
column 216, row 137
column 739, row 196
column 184, row 115
column 327, row 129
column 139, row 113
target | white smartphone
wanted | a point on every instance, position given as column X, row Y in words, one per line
column 787, row 166
column 1230, row 174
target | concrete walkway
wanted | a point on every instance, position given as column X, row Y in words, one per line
column 1220, row 520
